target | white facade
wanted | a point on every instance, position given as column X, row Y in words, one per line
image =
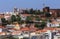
column 0, row 29
column 23, row 17
column 57, row 37
column 10, row 26
column 48, row 24
column 23, row 25
column 52, row 25
column 49, row 34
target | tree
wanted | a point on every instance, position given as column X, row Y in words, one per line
column 37, row 18
column 28, row 18
column 41, row 25
column 35, row 12
column 4, row 22
column 38, row 12
column 26, row 11
column 32, row 15
column 13, row 18
column 31, row 11
column 36, row 25
column 41, row 13
column 18, row 19
column 21, row 22
column 47, row 14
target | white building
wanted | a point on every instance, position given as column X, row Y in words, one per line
column 10, row 26
column 57, row 36
column 1, row 29
column 53, row 24
column 23, row 17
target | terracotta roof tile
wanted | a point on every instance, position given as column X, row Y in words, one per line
column 26, row 14
column 2, row 27
column 2, row 33
column 25, row 29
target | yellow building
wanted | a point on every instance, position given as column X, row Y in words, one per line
column 17, row 26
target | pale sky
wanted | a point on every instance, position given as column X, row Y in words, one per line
column 8, row 5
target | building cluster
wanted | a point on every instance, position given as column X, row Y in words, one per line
column 27, row 30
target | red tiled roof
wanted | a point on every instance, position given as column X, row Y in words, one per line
column 50, row 28
column 26, row 14
column 25, row 29
column 2, row 33
column 2, row 27
column 45, row 29
column 57, row 28
column 42, row 31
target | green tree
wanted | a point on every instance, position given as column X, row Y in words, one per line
column 21, row 22
column 36, row 25
column 37, row 12
column 13, row 18
column 28, row 18
column 18, row 19
column 31, row 11
column 41, row 12
column 41, row 25
column 26, row 11
column 47, row 14
column 4, row 22
column 37, row 18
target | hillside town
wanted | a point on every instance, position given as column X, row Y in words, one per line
column 30, row 24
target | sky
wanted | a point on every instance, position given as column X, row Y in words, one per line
column 8, row 5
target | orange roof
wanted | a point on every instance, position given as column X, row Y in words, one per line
column 50, row 28
column 1, row 27
column 57, row 28
column 45, row 29
column 32, row 27
column 42, row 30
column 12, row 29
column 2, row 33
column 26, row 14
column 25, row 29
